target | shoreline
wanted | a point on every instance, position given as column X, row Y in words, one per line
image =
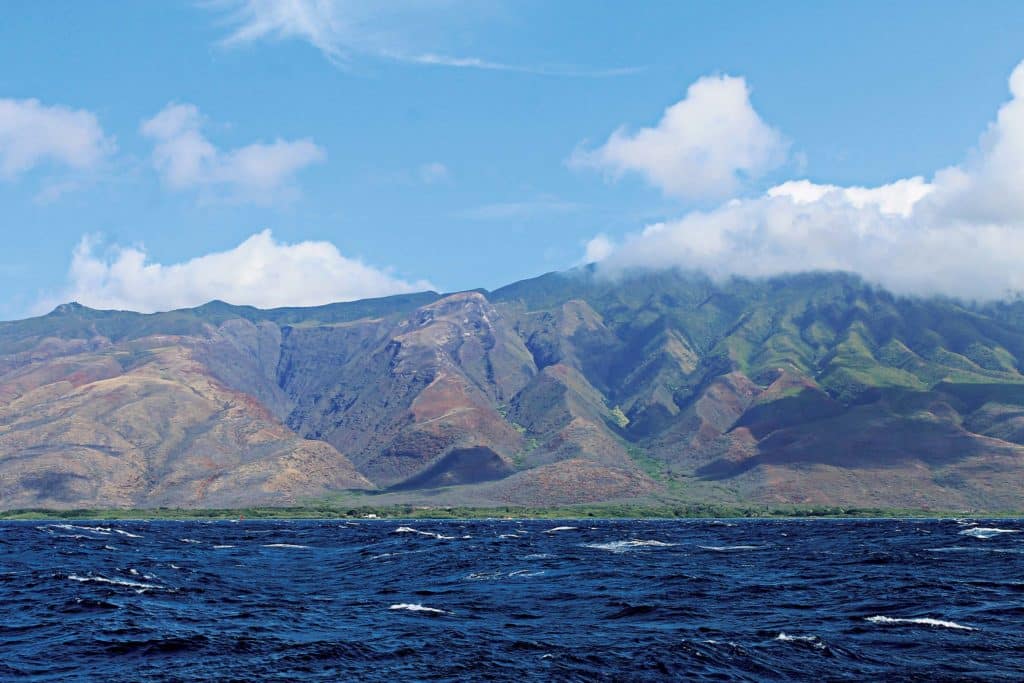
column 510, row 513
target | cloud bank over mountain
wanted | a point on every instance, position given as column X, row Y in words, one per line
column 260, row 271
column 960, row 233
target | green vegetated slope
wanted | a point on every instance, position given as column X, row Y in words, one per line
column 567, row 389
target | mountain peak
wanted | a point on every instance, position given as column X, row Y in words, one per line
column 69, row 308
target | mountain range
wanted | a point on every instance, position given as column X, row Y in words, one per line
column 572, row 387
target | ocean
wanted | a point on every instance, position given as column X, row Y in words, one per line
column 576, row 600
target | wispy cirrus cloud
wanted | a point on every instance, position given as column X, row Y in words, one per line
column 343, row 30
column 258, row 173
column 433, row 172
column 499, row 211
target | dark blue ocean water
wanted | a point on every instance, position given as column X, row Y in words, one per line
column 503, row 600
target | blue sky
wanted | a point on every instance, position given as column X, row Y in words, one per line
column 461, row 145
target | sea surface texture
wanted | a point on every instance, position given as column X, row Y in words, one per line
column 506, row 600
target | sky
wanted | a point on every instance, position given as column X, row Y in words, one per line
column 158, row 155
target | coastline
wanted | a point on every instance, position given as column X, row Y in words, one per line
column 407, row 512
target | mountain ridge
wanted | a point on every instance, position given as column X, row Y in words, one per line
column 570, row 387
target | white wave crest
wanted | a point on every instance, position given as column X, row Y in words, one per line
column 814, row 640
column 526, row 573
column 625, row 546
column 414, row 607
column 126, row 533
column 189, row 540
column 115, row 582
column 410, row 530
column 986, row 532
column 100, row 530
column 285, row 545
column 560, row 528
column 920, row 621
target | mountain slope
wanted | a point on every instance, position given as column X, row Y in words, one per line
column 570, row 387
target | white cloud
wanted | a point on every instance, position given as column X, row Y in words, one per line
column 409, row 32
column 598, row 249
column 259, row 172
column 33, row 134
column 258, row 272
column 704, row 146
column 961, row 234
column 898, row 197
column 434, row 172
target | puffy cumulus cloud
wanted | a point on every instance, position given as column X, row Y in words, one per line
column 961, row 234
column 704, row 146
column 898, row 197
column 598, row 249
column 259, row 173
column 987, row 187
column 258, row 272
column 33, row 134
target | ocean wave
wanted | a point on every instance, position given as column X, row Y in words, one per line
column 410, row 530
column 97, row 530
column 416, row 607
column 813, row 640
column 115, row 582
column 285, row 545
column 526, row 573
column 730, row 548
column 560, row 528
column 126, row 533
column 189, row 540
column 975, row 549
column 625, row 546
column 987, row 532
column 396, row 553
column 219, row 547
column 497, row 574
column 106, row 531
column 919, row 621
